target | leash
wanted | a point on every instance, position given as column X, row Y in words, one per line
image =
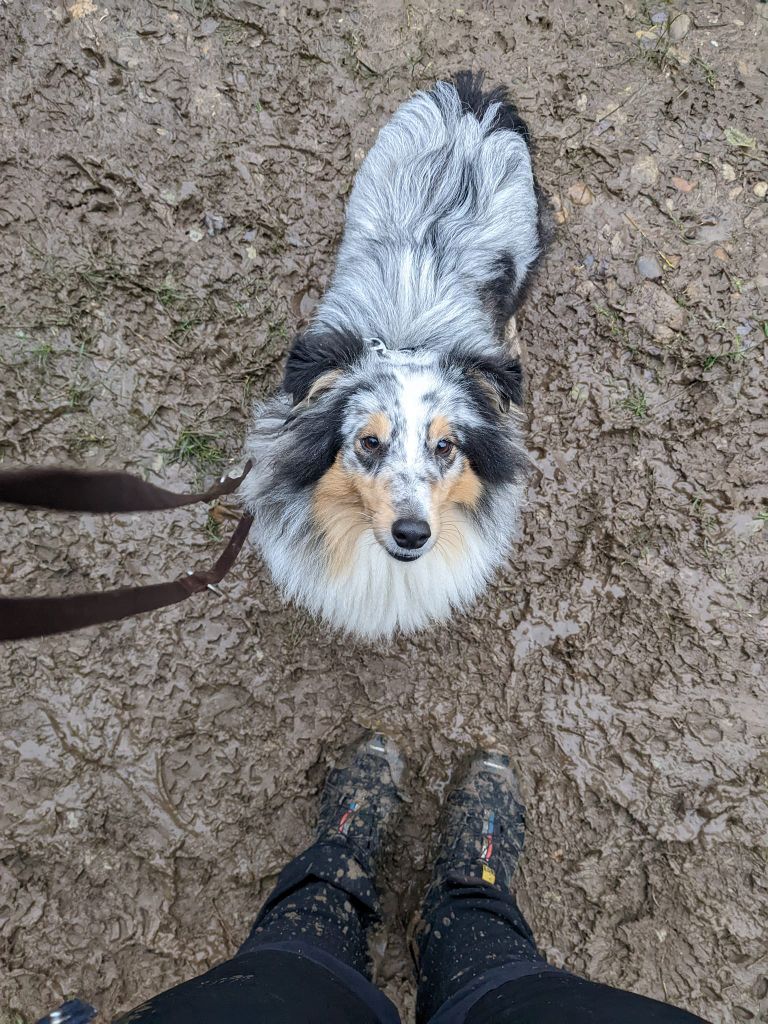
column 74, row 490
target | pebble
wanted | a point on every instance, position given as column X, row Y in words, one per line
column 559, row 214
column 760, row 188
column 580, row 194
column 649, row 266
column 683, row 185
column 729, row 172
column 645, row 171
column 214, row 222
column 679, row 28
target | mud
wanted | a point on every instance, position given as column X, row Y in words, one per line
column 172, row 184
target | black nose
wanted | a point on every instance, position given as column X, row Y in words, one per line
column 411, row 533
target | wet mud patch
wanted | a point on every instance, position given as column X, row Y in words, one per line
column 172, row 188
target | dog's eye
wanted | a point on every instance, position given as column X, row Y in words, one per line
column 370, row 443
column 444, row 447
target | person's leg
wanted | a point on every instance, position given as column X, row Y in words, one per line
column 477, row 959
column 306, row 958
column 469, row 922
column 559, row 996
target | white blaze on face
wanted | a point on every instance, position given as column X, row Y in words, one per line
column 411, row 465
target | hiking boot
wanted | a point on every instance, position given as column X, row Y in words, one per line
column 361, row 798
column 482, row 826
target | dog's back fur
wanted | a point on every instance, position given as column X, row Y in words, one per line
column 443, row 224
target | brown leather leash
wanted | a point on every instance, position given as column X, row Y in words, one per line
column 74, row 490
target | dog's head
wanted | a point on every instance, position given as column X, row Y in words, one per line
column 399, row 443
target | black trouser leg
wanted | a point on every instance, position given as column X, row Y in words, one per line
column 325, row 898
column 556, row 997
column 479, row 965
column 469, row 929
column 305, row 961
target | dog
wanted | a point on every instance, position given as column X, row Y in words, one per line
column 388, row 473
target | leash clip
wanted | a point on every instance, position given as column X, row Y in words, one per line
column 234, row 473
column 376, row 345
column 209, row 586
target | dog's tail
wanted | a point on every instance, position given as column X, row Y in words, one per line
column 469, row 86
column 496, row 112
column 445, row 216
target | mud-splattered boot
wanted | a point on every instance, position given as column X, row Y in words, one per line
column 469, row 921
column 482, row 827
column 327, row 895
column 361, row 798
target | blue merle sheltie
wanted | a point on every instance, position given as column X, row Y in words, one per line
column 388, row 473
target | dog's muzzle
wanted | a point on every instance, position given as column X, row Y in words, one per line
column 410, row 535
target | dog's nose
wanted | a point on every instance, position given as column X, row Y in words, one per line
column 411, row 533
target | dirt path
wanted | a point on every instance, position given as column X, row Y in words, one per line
column 172, row 184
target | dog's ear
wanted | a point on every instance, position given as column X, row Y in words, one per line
column 501, row 380
column 316, row 360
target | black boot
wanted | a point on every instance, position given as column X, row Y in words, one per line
column 361, row 799
column 482, row 828
column 327, row 895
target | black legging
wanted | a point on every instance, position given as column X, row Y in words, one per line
column 306, row 962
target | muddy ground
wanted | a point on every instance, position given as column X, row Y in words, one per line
column 172, row 187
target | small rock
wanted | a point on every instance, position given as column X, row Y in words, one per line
column 760, row 188
column 658, row 313
column 721, row 253
column 648, row 37
column 683, row 185
column 186, row 190
column 679, row 28
column 308, row 304
column 196, row 234
column 645, row 171
column 649, row 266
column 720, row 231
column 214, row 222
column 729, row 172
column 559, row 213
column 581, row 194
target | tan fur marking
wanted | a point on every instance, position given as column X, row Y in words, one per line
column 323, row 382
column 466, row 489
column 446, row 520
column 377, row 426
column 439, row 428
column 339, row 514
column 345, row 506
column 377, row 500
